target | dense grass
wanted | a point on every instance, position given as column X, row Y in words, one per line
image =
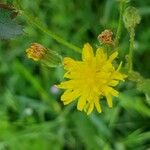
column 31, row 114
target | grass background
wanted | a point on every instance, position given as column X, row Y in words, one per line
column 31, row 114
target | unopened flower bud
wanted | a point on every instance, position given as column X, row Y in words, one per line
column 38, row 52
column 131, row 17
column 106, row 37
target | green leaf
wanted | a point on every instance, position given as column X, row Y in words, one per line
column 9, row 28
column 136, row 137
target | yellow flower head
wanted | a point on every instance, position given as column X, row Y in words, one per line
column 36, row 51
column 90, row 79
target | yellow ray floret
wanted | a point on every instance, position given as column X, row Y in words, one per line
column 90, row 79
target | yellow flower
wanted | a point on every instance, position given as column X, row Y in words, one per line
column 36, row 51
column 90, row 79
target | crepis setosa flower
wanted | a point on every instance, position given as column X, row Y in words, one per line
column 90, row 79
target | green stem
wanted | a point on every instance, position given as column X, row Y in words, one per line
column 42, row 27
column 130, row 59
column 118, row 33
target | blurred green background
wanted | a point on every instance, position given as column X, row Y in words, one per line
column 32, row 116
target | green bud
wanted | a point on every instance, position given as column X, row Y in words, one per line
column 135, row 76
column 131, row 17
column 52, row 59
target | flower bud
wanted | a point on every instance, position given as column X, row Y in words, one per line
column 38, row 52
column 106, row 37
column 131, row 17
column 52, row 59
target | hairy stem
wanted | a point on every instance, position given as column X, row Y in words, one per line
column 118, row 33
column 42, row 27
column 38, row 24
column 130, row 59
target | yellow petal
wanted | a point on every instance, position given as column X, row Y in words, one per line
column 67, row 75
column 70, row 96
column 68, row 102
column 81, row 103
column 66, row 84
column 113, row 83
column 91, row 107
column 100, row 55
column 113, row 91
column 109, row 100
column 113, row 56
column 97, row 105
column 87, row 53
column 68, row 62
column 118, row 76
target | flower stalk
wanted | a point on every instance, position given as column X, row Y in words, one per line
column 130, row 56
column 131, row 19
column 36, row 23
column 118, row 33
column 44, row 29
